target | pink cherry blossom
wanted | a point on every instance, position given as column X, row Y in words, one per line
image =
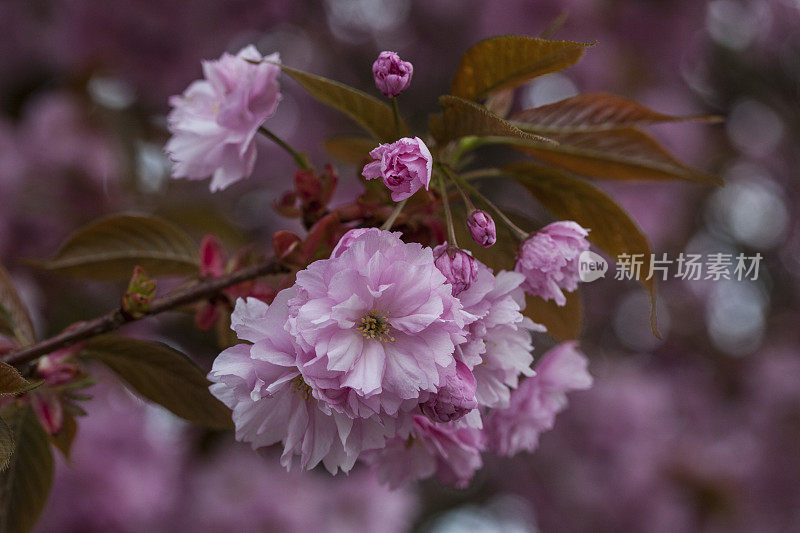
column 405, row 166
column 537, row 401
column 499, row 346
column 271, row 400
column 549, row 260
column 214, row 122
column 451, row 453
column 392, row 74
column 350, row 237
column 378, row 325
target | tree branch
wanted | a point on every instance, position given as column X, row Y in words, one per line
column 117, row 318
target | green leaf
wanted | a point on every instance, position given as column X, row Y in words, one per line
column 162, row 375
column 624, row 154
column 110, row 248
column 593, row 112
column 373, row 115
column 462, row 118
column 14, row 318
column 350, row 149
column 12, row 382
column 563, row 323
column 568, row 198
column 26, row 482
column 510, row 60
column 6, row 444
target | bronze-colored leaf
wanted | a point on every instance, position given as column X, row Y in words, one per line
column 162, row 375
column 12, row 382
column 593, row 112
column 612, row 229
column 350, row 149
column 562, row 322
column 462, row 118
column 6, row 444
column 26, row 482
column 373, row 115
column 500, row 102
column 66, row 436
column 14, row 318
column 111, row 247
column 506, row 61
column 625, row 154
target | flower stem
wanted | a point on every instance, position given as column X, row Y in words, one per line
column 117, row 318
column 300, row 159
column 390, row 221
column 448, row 216
column 396, row 113
column 522, row 234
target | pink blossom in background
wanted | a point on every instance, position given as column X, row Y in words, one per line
column 133, row 469
column 457, row 265
column 237, row 490
column 214, row 122
column 125, row 468
column 452, row 454
column 537, row 401
column 405, row 166
column 549, row 260
column 392, row 74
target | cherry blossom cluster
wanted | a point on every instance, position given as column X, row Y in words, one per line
column 413, row 358
column 371, row 356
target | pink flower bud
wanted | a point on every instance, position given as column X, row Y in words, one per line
column 549, row 260
column 392, row 74
column 58, row 367
column 457, row 265
column 48, row 410
column 212, row 257
column 482, row 228
column 404, row 165
column 455, row 397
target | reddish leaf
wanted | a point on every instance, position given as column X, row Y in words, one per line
column 624, row 154
column 506, row 61
column 593, row 112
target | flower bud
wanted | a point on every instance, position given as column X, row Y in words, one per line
column 392, row 74
column 48, row 410
column 482, row 228
column 58, row 368
column 455, row 397
column 457, row 265
column 212, row 257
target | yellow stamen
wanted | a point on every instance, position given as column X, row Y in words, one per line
column 375, row 325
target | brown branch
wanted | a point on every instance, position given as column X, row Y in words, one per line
column 117, row 318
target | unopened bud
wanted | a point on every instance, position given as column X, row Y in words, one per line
column 482, row 228
column 457, row 265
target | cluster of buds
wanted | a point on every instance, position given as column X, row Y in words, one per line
column 214, row 263
column 311, row 195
